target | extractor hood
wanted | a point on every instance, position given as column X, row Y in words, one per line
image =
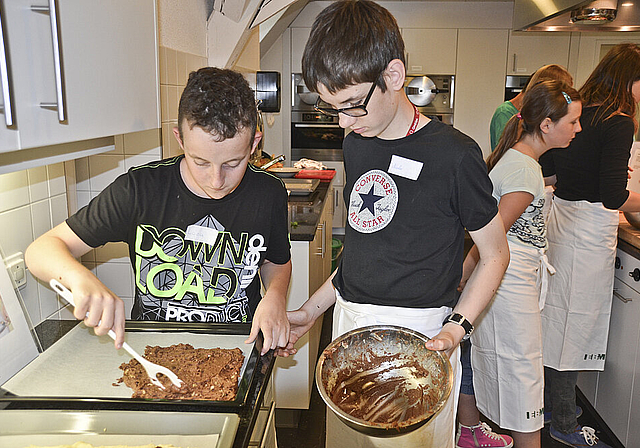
column 569, row 15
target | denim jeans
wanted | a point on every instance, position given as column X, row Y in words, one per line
column 466, row 386
column 560, row 398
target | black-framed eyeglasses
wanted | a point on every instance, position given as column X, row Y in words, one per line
column 355, row 111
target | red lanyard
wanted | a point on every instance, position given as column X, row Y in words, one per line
column 414, row 123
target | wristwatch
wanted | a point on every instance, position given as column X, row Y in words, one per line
column 459, row 319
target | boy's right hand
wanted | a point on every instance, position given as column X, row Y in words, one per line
column 99, row 308
column 300, row 322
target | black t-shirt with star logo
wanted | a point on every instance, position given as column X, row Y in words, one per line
column 404, row 238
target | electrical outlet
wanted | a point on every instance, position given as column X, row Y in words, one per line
column 15, row 266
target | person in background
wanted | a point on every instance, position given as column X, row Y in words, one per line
column 511, row 107
column 591, row 186
column 412, row 186
column 200, row 226
column 468, row 414
column 507, row 342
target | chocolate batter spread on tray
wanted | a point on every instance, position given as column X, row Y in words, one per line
column 207, row 374
column 388, row 389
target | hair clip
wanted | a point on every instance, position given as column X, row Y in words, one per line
column 567, row 97
column 519, row 116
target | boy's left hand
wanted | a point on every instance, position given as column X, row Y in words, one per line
column 271, row 319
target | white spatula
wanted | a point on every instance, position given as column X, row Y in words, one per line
column 152, row 369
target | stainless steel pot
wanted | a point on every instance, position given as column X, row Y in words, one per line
column 633, row 218
column 394, row 380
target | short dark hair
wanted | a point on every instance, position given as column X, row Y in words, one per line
column 219, row 101
column 351, row 42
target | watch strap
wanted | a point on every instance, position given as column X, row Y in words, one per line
column 459, row 319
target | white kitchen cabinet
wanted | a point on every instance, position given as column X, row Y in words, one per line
column 480, row 76
column 107, row 79
column 430, row 51
column 299, row 38
column 593, row 46
column 617, row 387
column 528, row 51
column 264, row 430
column 311, row 266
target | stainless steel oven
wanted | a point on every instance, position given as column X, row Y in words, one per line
column 433, row 95
column 313, row 135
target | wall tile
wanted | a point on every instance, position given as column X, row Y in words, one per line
column 174, row 101
column 118, row 145
column 49, row 301
column 30, row 298
column 14, row 190
column 162, row 56
column 118, row 277
column 194, row 62
column 141, row 142
column 128, row 305
column 172, row 66
column 38, row 186
column 164, row 103
column 58, row 210
column 66, row 313
column 15, row 230
column 139, row 159
column 182, row 67
column 82, row 175
column 104, row 169
column 41, row 217
column 57, row 184
column 118, row 252
column 83, row 198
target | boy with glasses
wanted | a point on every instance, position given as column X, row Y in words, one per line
column 413, row 185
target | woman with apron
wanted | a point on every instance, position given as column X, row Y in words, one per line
column 506, row 353
column 591, row 179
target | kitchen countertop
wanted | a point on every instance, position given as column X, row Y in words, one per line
column 50, row 331
column 305, row 211
column 628, row 237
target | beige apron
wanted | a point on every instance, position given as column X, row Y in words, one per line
column 506, row 352
column 575, row 320
column 440, row 431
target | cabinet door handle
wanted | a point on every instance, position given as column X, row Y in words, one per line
column 6, row 107
column 621, row 297
column 60, row 106
column 321, row 227
column 336, row 199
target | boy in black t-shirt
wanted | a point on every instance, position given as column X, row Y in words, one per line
column 413, row 185
column 200, row 227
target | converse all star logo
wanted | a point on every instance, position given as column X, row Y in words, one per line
column 372, row 202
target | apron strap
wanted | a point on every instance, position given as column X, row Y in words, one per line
column 544, row 271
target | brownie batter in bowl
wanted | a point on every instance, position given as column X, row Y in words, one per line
column 382, row 380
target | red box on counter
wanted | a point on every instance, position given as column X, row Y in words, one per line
column 323, row 175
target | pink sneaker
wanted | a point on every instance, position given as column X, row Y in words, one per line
column 481, row 435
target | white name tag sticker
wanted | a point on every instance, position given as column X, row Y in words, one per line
column 408, row 168
column 201, row 234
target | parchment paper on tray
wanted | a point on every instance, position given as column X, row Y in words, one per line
column 82, row 364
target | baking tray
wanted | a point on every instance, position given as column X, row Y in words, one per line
column 301, row 187
column 21, row 428
column 83, row 366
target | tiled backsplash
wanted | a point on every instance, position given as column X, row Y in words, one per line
column 175, row 67
column 35, row 200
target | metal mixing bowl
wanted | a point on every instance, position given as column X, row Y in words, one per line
column 633, row 218
column 402, row 377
